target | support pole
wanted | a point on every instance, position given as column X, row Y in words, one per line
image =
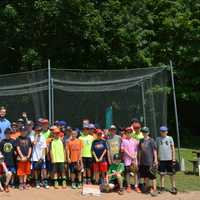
column 143, row 103
column 49, row 91
column 52, row 100
column 175, row 110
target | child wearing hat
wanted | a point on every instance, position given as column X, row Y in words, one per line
column 99, row 152
column 24, row 150
column 148, row 160
column 167, row 158
column 115, row 174
column 8, row 150
column 38, row 157
column 129, row 149
column 58, row 157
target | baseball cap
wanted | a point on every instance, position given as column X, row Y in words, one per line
column 23, row 128
column 92, row 126
column 61, row 123
column 20, row 120
column 38, row 128
column 113, row 127
column 29, row 123
column 134, row 120
column 163, row 129
column 128, row 129
column 145, row 129
column 86, row 126
column 44, row 121
column 99, row 131
column 69, row 128
column 117, row 156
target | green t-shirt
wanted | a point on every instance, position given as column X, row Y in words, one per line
column 115, row 168
column 57, row 151
column 137, row 136
column 87, row 145
column 46, row 134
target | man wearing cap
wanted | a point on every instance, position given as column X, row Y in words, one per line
column 38, row 157
column 166, row 157
column 147, row 159
column 113, row 143
column 86, row 153
column 4, row 123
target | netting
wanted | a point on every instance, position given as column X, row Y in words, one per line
column 78, row 94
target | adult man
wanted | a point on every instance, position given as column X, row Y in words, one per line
column 113, row 142
column 166, row 157
column 4, row 123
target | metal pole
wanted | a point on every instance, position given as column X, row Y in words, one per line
column 143, row 103
column 49, row 90
column 175, row 110
column 52, row 100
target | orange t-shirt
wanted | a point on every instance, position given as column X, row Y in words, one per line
column 75, row 147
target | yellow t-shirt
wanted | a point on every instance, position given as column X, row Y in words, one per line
column 57, row 151
column 87, row 145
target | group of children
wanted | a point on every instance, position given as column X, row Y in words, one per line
column 41, row 156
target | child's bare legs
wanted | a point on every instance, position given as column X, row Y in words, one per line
column 96, row 174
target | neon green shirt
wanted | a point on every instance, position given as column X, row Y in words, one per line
column 136, row 136
column 46, row 134
column 115, row 168
column 57, row 151
column 87, row 145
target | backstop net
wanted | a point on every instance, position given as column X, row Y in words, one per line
column 78, row 95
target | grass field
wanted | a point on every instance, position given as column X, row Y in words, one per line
column 186, row 181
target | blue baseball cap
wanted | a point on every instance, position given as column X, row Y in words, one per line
column 91, row 126
column 163, row 129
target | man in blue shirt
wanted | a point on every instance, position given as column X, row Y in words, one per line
column 4, row 123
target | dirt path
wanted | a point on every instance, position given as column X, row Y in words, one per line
column 69, row 194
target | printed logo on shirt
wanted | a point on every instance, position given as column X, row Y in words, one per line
column 7, row 147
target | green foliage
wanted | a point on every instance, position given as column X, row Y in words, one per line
column 104, row 34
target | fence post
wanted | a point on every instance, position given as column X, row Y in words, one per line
column 49, row 91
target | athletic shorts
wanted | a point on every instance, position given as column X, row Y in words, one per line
column 12, row 169
column 100, row 167
column 145, row 172
column 72, row 167
column 87, row 163
column 58, row 167
column 166, row 168
column 48, row 165
column 38, row 165
column 23, row 168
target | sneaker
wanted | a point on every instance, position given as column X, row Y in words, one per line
column 64, row 184
column 21, row 187
column 154, row 193
column 121, row 192
column 6, row 188
column 173, row 191
column 79, row 185
column 45, row 185
column 56, row 185
column 162, row 189
column 137, row 189
column 128, row 189
column 73, row 185
column 37, row 184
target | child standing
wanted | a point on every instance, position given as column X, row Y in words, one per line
column 74, row 151
column 24, row 149
column 57, row 154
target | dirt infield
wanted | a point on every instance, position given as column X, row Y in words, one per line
column 63, row 194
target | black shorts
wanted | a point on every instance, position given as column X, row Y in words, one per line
column 166, row 168
column 87, row 163
column 144, row 172
column 58, row 167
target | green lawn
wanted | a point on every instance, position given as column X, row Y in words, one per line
column 186, row 181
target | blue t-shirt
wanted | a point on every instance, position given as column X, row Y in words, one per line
column 99, row 146
column 4, row 124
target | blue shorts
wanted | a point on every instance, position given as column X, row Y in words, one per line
column 38, row 165
column 12, row 169
column 48, row 166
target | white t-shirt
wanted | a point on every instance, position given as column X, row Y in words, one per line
column 38, row 148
